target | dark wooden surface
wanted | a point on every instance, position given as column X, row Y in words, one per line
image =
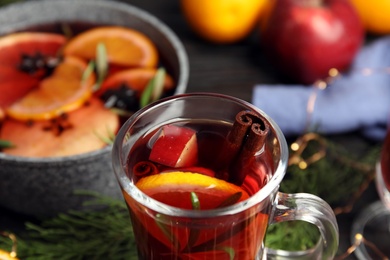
column 233, row 70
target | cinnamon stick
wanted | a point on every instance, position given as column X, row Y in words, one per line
column 244, row 140
column 144, row 168
column 247, row 156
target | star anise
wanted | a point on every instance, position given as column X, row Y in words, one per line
column 38, row 64
column 58, row 125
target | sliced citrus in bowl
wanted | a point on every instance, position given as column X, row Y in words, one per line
column 135, row 79
column 16, row 76
column 176, row 189
column 83, row 130
column 124, row 46
column 65, row 90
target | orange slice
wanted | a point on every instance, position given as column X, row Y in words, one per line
column 124, row 46
column 63, row 91
column 81, row 131
column 15, row 83
column 174, row 188
column 136, row 79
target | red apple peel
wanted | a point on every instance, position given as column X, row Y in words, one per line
column 175, row 147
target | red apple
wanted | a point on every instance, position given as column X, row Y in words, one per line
column 175, row 147
column 306, row 38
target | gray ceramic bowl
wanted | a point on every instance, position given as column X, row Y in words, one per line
column 45, row 187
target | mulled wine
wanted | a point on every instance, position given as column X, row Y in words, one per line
column 200, row 173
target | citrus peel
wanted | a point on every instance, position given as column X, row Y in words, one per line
column 62, row 92
column 124, row 46
column 174, row 188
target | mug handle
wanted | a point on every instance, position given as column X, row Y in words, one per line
column 312, row 209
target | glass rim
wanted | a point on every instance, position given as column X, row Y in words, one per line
column 130, row 188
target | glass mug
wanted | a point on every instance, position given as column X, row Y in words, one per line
column 233, row 231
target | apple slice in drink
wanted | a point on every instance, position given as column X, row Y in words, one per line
column 176, row 147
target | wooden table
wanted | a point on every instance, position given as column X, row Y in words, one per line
column 231, row 69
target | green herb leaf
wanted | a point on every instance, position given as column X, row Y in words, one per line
column 154, row 88
column 195, row 201
column 193, row 233
column 166, row 231
column 159, row 80
column 67, row 31
column 228, row 250
column 109, row 139
column 88, row 71
column 101, row 65
column 6, row 144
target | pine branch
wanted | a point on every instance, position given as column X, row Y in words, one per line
column 104, row 234
column 335, row 178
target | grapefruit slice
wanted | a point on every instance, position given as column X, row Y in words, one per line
column 62, row 92
column 80, row 131
column 14, row 82
column 175, row 188
column 136, row 79
column 124, row 46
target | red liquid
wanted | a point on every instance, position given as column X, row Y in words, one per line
column 237, row 235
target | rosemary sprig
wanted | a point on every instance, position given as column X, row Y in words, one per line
column 228, row 250
column 88, row 71
column 160, row 219
column 6, row 144
column 195, row 201
column 154, row 88
column 194, row 233
column 101, row 65
column 109, row 139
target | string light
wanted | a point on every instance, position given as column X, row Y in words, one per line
column 359, row 240
column 10, row 255
column 299, row 146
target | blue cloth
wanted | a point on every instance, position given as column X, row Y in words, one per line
column 353, row 101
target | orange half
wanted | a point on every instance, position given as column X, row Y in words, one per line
column 174, row 188
column 62, row 92
column 124, row 46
